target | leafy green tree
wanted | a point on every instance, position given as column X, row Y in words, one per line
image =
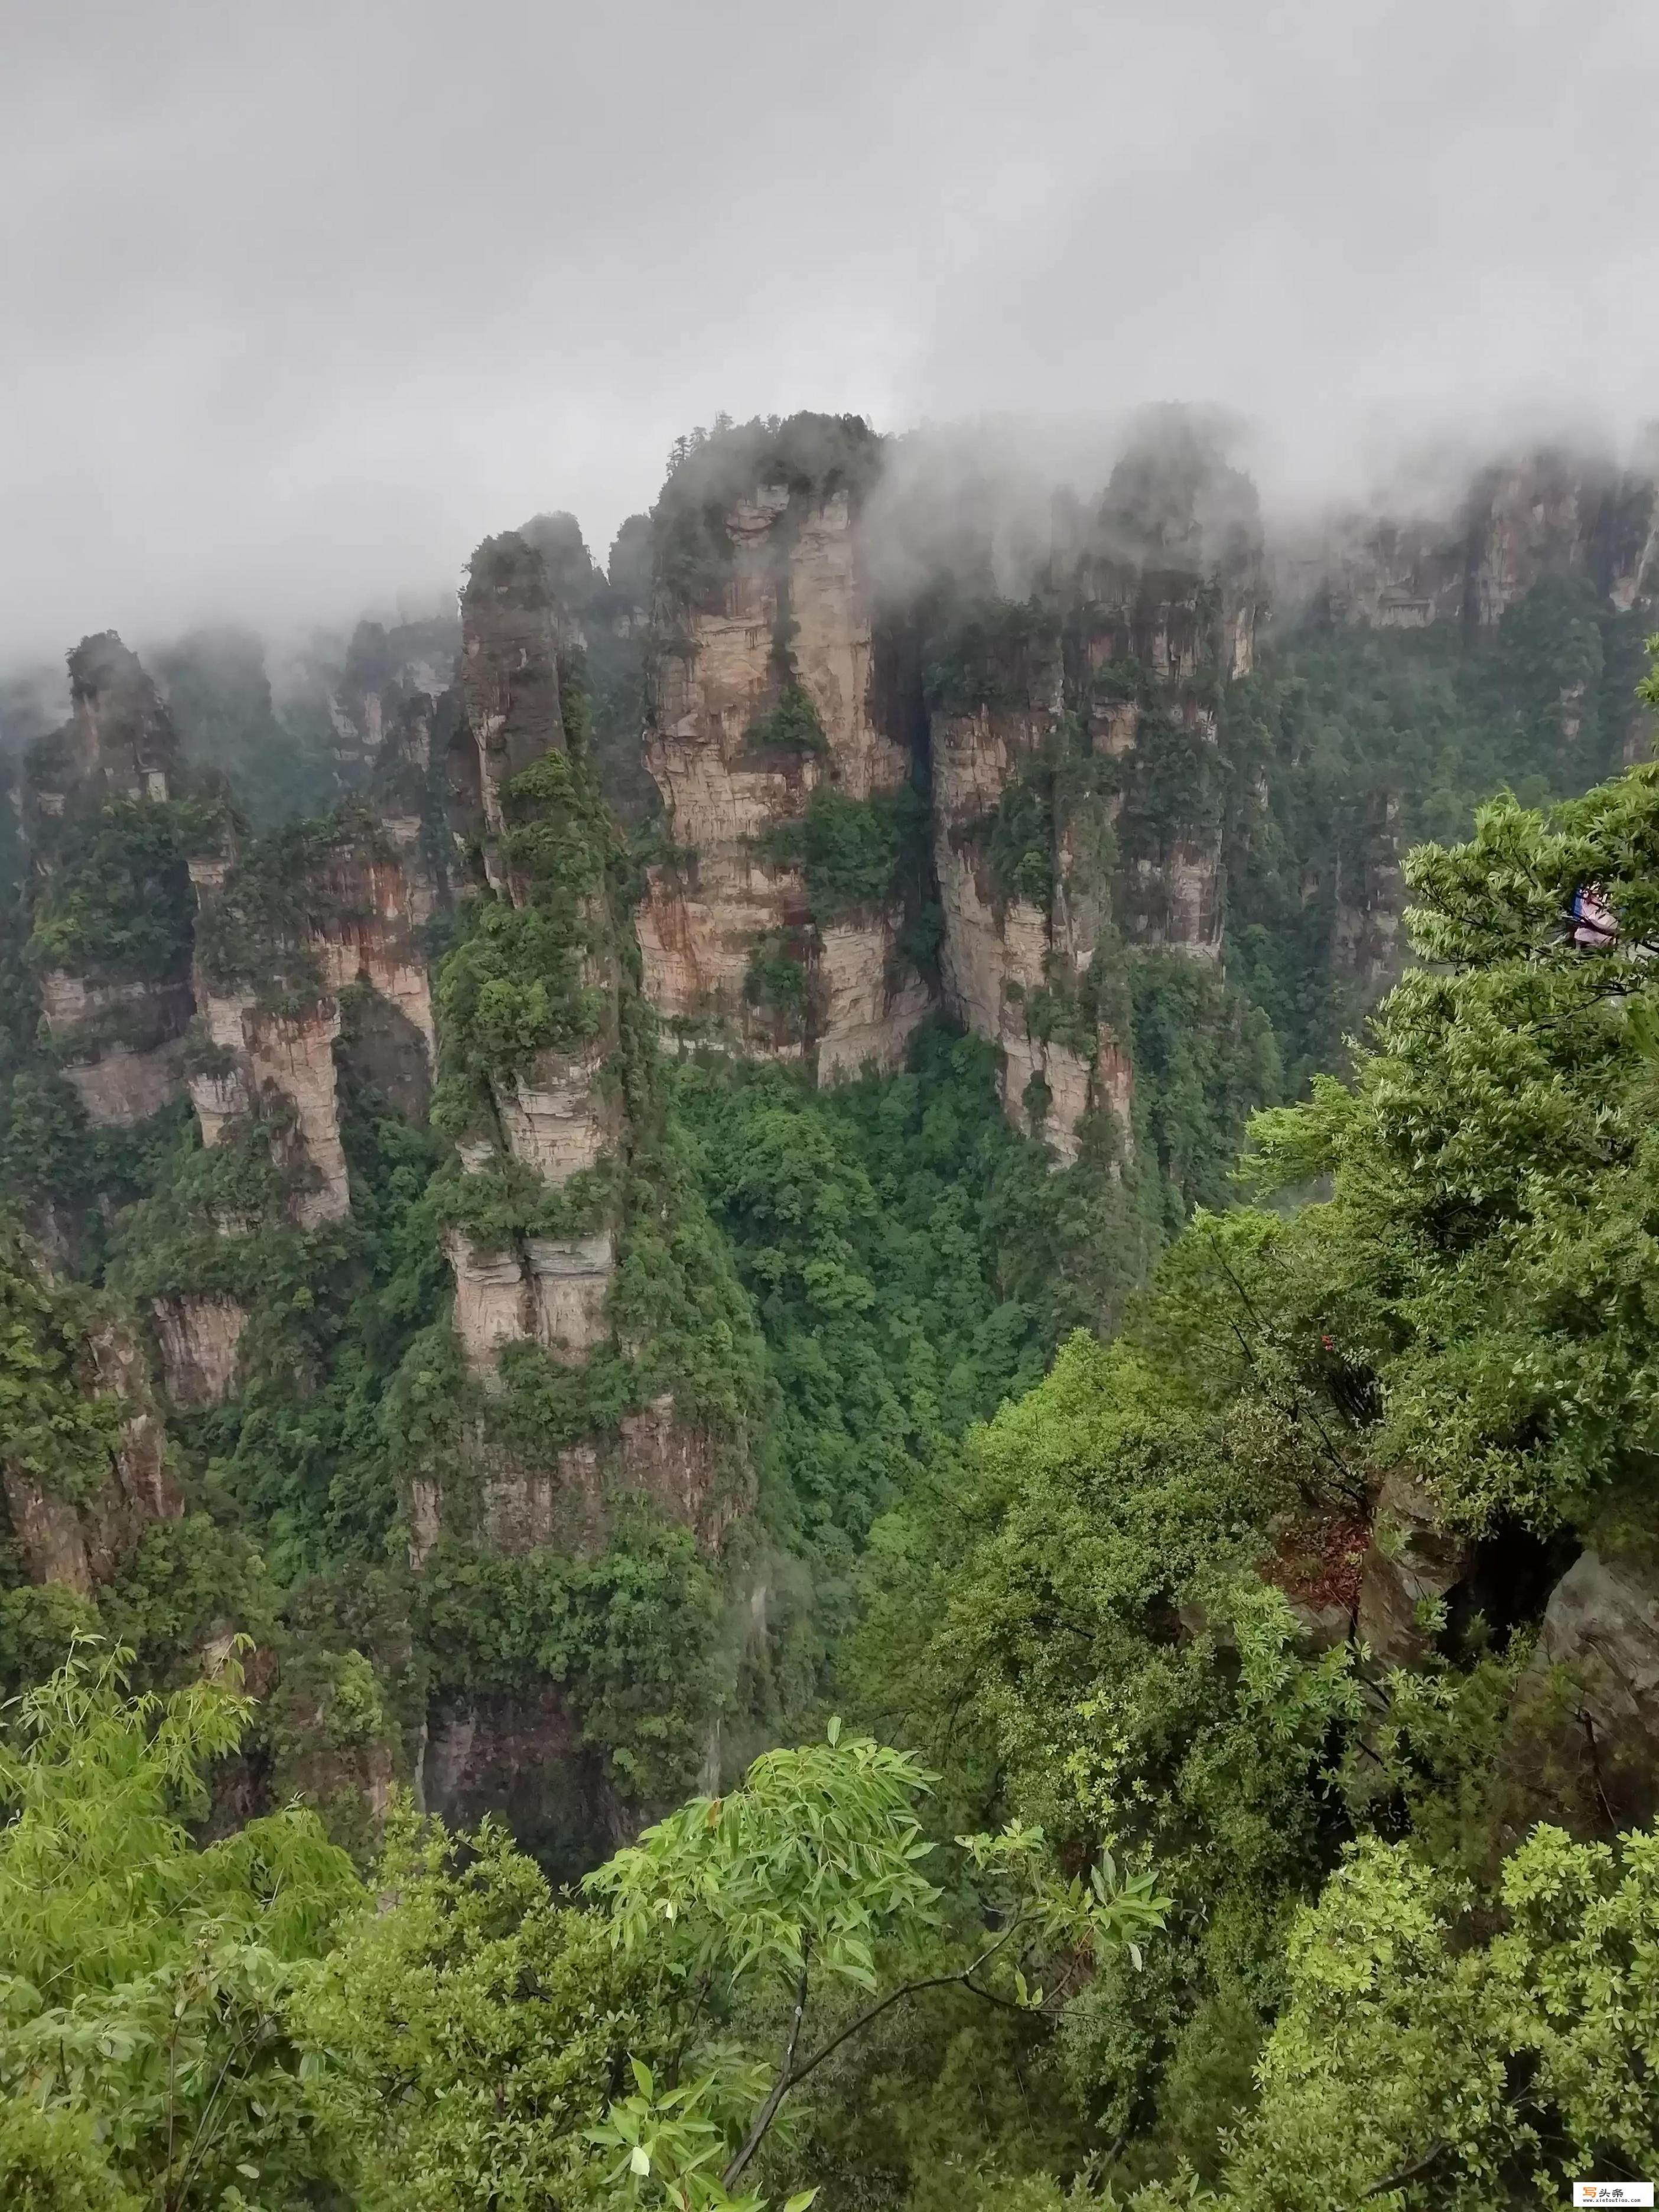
column 1425, row 2057
column 468, row 2028
column 145, row 2047
column 806, row 1885
column 1484, row 1270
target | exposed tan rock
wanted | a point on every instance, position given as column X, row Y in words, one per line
column 286, row 1060
column 570, row 1284
column 49, row 1532
column 83, row 1543
column 119, row 1082
column 198, row 1335
column 996, row 955
column 426, row 1501
column 676, row 1464
column 121, row 1087
column 492, row 1301
column 511, row 1508
column 376, row 943
column 559, row 1117
column 292, row 1057
column 1177, row 903
column 703, row 914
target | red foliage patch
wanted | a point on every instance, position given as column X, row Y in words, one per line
column 1320, row 1561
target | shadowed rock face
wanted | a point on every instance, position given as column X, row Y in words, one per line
column 1545, row 514
column 522, row 1758
column 1584, row 1737
column 1412, row 1563
column 84, row 1542
column 122, row 743
column 509, row 667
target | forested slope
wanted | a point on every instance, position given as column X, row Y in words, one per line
column 604, row 1248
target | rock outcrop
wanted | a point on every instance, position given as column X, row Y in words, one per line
column 1584, row 1739
column 558, row 1113
column 1552, row 513
column 284, row 933
column 1073, row 748
column 536, row 1204
column 83, row 1540
column 765, row 694
column 118, row 1010
column 1410, row 1567
column 199, row 1335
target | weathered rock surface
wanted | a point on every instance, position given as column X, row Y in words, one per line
column 563, row 1113
column 360, row 913
column 510, row 1508
column 84, row 1542
column 796, row 565
column 1411, row 1563
column 521, row 1759
column 997, row 954
column 120, row 742
column 1549, row 513
column 119, row 1041
column 1584, row 1741
column 199, row 1335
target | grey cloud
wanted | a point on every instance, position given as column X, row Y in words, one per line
column 302, row 300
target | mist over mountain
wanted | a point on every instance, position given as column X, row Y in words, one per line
column 829, row 1108
column 300, row 303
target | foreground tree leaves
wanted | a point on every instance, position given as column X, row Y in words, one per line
column 145, row 2050
column 809, row 1877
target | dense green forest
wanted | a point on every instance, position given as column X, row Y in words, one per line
column 1108, row 1859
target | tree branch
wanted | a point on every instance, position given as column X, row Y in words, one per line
column 1402, row 2174
column 910, row 1990
column 780, row 2088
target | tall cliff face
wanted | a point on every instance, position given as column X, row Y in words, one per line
column 1553, row 512
column 560, row 1203
column 1076, row 784
column 766, row 710
column 287, row 924
column 547, row 1110
column 83, row 1467
column 110, row 938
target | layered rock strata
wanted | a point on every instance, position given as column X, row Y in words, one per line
column 270, row 1045
column 791, row 628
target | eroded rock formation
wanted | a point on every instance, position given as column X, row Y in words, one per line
column 270, row 1018
column 764, row 695
column 84, row 1540
column 118, row 1008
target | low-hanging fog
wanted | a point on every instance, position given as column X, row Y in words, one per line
column 301, row 300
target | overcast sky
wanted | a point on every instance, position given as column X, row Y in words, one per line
column 304, row 297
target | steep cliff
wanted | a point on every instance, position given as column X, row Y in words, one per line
column 765, row 710
column 83, row 1465
column 288, row 923
column 1076, row 787
column 111, row 922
